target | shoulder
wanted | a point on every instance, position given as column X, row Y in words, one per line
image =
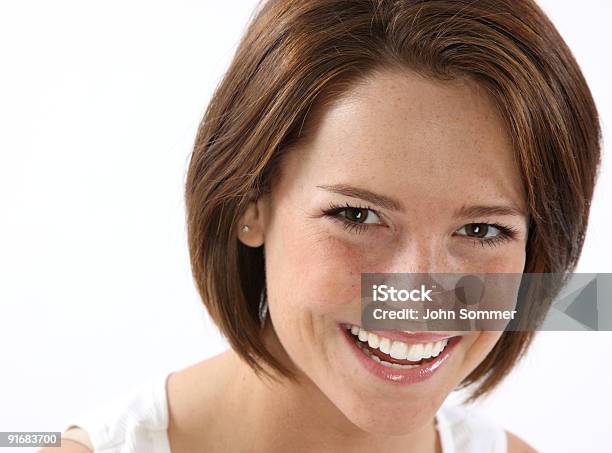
column 74, row 440
column 518, row 445
column 137, row 417
column 468, row 428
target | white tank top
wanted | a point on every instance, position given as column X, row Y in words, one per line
column 137, row 422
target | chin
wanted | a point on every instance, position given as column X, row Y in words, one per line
column 378, row 416
column 391, row 383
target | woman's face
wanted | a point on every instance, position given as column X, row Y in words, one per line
column 411, row 152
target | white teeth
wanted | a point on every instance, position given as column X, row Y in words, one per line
column 363, row 335
column 384, row 362
column 373, row 340
column 397, row 349
column 438, row 347
column 427, row 350
column 415, row 352
column 384, row 345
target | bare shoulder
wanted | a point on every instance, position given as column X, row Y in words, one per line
column 518, row 445
column 74, row 440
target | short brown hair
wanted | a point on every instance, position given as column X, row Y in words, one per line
column 296, row 52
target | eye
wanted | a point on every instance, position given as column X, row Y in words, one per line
column 487, row 233
column 480, row 230
column 354, row 218
column 360, row 215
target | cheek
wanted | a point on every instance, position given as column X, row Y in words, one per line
column 477, row 350
column 508, row 258
column 511, row 260
column 313, row 271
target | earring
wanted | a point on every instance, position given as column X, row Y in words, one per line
column 263, row 306
column 246, row 228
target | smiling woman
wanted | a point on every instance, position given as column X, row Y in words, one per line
column 370, row 136
column 315, row 249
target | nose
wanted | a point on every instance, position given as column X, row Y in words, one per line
column 428, row 261
column 425, row 255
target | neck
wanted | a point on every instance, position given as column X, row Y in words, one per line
column 260, row 414
column 296, row 416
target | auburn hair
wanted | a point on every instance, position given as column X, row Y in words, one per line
column 297, row 53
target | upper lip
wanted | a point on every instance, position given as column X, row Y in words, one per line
column 413, row 337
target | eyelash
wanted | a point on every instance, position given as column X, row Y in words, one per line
column 506, row 233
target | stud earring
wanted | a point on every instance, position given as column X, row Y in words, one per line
column 246, row 228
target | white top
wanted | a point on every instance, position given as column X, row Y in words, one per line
column 138, row 421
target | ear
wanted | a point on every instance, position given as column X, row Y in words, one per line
column 251, row 225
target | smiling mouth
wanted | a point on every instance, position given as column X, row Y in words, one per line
column 396, row 354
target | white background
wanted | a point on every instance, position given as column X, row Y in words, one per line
column 99, row 105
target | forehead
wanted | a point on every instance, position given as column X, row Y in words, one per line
column 410, row 135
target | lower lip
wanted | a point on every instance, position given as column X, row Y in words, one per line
column 401, row 376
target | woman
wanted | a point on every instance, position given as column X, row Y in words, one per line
column 353, row 136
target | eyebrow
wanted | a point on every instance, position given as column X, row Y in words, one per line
column 367, row 195
column 484, row 211
column 395, row 205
